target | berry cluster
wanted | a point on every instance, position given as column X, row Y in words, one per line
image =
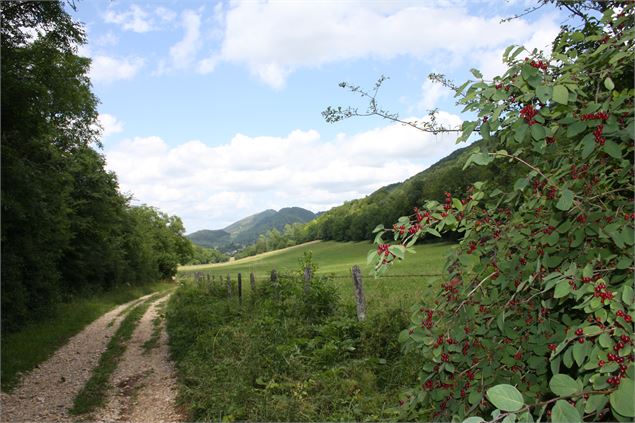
column 603, row 293
column 592, row 116
column 448, row 201
column 528, row 113
column 627, row 317
column 539, row 64
column 599, row 139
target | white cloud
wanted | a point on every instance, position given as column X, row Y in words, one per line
column 209, row 187
column 184, row 52
column 134, row 19
column 165, row 14
column 107, row 40
column 431, row 93
column 284, row 36
column 490, row 62
column 110, row 124
column 108, row 69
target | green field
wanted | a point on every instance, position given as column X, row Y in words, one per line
column 402, row 285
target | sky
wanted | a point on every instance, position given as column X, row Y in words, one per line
column 211, row 110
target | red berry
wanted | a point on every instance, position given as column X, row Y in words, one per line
column 579, row 332
column 601, row 363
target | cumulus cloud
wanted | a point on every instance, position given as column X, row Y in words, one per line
column 110, row 124
column 107, row 69
column 283, row 36
column 211, row 186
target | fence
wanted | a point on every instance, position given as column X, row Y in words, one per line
column 355, row 275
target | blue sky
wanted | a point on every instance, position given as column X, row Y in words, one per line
column 211, row 110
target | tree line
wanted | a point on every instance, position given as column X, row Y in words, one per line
column 66, row 228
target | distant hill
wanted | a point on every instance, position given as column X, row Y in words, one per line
column 355, row 220
column 247, row 230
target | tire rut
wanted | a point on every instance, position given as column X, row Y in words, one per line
column 144, row 384
column 47, row 392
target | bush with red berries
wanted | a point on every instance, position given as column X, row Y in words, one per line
column 534, row 321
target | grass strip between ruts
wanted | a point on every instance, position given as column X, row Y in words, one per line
column 93, row 394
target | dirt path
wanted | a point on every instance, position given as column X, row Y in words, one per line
column 144, row 386
column 47, row 392
column 144, row 382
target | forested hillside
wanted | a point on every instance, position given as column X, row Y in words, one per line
column 66, row 228
column 356, row 219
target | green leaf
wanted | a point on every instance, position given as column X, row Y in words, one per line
column 372, row 255
column 612, row 149
column 473, row 419
column 398, row 250
column 588, row 145
column 378, row 228
column 510, row 418
column 538, row 132
column 608, row 83
column 433, row 232
column 482, row 159
column 506, row 397
column 622, row 399
column 575, row 129
column 580, row 352
column 520, row 184
column 627, row 294
column 543, row 92
column 562, row 289
column 595, row 402
column 560, row 94
column 592, row 330
column 566, row 200
column 563, row 412
column 476, row 73
column 563, row 385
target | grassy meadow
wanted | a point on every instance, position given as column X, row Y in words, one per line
column 402, row 285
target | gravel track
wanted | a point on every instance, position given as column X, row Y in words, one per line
column 47, row 392
column 144, row 384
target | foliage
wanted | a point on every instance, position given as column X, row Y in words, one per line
column 65, row 227
column 285, row 356
column 535, row 319
column 203, row 255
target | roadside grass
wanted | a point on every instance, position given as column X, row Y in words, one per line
column 286, row 355
column 397, row 288
column 92, row 394
column 23, row 350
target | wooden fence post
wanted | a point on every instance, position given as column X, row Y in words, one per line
column 274, row 276
column 359, row 293
column 240, row 289
column 252, row 283
column 308, row 275
column 208, row 279
column 229, row 286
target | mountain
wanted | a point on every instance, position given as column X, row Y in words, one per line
column 247, row 230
